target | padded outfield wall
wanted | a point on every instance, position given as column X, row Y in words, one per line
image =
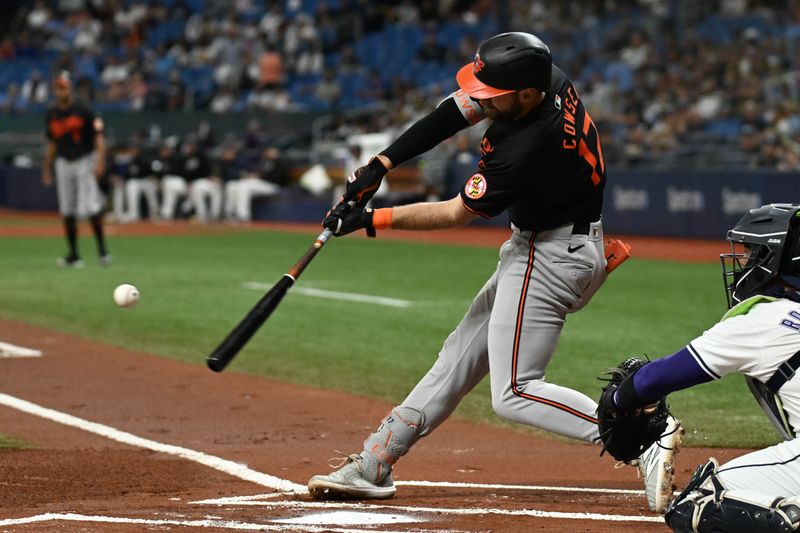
column 653, row 203
column 690, row 203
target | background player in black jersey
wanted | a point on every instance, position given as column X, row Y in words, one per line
column 76, row 149
column 542, row 163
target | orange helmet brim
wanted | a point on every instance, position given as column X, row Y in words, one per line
column 474, row 87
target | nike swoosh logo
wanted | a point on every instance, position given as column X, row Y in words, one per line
column 570, row 249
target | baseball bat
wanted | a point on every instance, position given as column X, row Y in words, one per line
column 242, row 333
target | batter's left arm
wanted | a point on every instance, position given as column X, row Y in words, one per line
column 452, row 115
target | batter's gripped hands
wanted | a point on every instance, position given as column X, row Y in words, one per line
column 345, row 218
column 363, row 183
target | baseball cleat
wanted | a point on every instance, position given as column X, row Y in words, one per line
column 657, row 466
column 70, row 261
column 106, row 260
column 350, row 483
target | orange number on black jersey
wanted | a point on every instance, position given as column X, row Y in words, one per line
column 594, row 155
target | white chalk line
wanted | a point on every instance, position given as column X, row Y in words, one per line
column 347, row 517
column 243, row 500
column 208, row 523
column 243, row 472
column 335, row 295
column 223, row 465
column 543, row 488
column 457, row 511
column 12, row 350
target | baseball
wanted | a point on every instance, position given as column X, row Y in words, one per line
column 126, row 295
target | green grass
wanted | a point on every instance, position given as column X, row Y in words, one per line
column 12, row 443
column 192, row 296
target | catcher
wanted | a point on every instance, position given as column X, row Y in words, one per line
column 758, row 337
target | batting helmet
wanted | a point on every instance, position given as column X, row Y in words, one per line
column 506, row 63
column 770, row 236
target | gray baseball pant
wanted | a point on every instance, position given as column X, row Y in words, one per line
column 511, row 330
column 76, row 187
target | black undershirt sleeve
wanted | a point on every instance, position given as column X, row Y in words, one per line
column 440, row 124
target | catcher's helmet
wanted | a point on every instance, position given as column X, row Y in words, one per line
column 506, row 63
column 770, row 236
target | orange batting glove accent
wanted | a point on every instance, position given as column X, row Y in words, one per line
column 382, row 218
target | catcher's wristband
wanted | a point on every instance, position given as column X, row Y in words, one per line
column 382, row 218
column 625, row 397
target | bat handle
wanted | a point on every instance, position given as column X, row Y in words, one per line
column 303, row 262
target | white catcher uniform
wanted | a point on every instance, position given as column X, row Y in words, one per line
column 755, row 339
column 758, row 337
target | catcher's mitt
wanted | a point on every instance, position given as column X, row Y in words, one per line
column 627, row 434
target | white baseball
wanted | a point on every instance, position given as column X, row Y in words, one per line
column 126, row 295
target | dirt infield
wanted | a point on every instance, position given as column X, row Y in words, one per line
column 125, row 441
column 276, row 429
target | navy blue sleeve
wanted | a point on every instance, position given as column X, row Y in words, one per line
column 668, row 374
column 440, row 124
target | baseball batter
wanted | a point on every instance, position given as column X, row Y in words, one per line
column 542, row 163
column 76, row 144
column 760, row 338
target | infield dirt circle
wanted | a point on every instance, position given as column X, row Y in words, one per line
column 72, row 403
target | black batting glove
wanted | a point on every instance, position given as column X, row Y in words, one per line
column 333, row 219
column 363, row 183
column 344, row 219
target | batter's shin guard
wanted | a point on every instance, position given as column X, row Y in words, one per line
column 712, row 509
column 393, row 438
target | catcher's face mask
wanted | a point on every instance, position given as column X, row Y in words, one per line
column 765, row 252
column 744, row 270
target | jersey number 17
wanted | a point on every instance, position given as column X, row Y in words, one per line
column 594, row 155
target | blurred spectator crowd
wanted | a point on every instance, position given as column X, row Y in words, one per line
column 194, row 177
column 712, row 83
column 235, row 55
column 670, row 83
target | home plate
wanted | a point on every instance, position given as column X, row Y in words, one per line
column 349, row 518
